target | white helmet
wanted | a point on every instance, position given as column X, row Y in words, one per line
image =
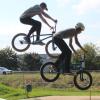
column 80, row 25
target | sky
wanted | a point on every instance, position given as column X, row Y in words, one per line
column 67, row 12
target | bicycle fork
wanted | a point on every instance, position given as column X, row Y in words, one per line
column 81, row 76
column 81, row 69
column 53, row 45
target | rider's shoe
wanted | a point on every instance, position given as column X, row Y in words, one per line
column 27, row 39
column 39, row 42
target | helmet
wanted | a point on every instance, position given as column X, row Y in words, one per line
column 80, row 25
column 44, row 5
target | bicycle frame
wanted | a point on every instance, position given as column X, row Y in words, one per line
column 48, row 35
column 20, row 39
column 82, row 62
column 82, row 79
column 82, row 66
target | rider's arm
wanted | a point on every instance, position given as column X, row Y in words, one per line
column 48, row 16
column 42, row 18
column 71, row 46
column 78, row 44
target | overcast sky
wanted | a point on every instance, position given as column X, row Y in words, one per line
column 67, row 12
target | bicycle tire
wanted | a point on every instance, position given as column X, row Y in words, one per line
column 15, row 46
column 76, row 83
column 45, row 77
column 48, row 52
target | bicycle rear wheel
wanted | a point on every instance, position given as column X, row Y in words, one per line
column 83, row 80
column 18, row 42
column 49, row 72
column 51, row 49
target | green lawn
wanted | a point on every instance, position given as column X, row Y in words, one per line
column 10, row 93
column 12, row 87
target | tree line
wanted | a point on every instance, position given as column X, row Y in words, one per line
column 92, row 57
column 14, row 61
column 32, row 61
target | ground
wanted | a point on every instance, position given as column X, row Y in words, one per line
column 66, row 98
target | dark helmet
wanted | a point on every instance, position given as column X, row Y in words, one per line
column 44, row 5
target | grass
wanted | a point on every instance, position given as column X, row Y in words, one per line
column 57, row 92
column 12, row 86
column 10, row 93
column 17, row 94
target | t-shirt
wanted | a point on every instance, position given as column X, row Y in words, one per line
column 66, row 33
column 32, row 11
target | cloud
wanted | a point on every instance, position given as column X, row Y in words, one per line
column 13, row 29
column 98, row 43
column 62, row 3
column 85, row 6
column 95, row 25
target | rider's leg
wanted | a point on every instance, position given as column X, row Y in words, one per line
column 31, row 31
column 65, row 55
column 36, row 26
column 32, row 22
column 58, row 42
column 38, row 30
column 67, row 59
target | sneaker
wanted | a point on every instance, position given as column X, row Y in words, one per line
column 27, row 39
column 39, row 42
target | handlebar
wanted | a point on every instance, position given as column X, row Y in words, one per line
column 82, row 57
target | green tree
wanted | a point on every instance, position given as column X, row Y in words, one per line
column 31, row 61
column 8, row 58
column 89, row 56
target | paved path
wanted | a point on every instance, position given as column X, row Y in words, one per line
column 66, row 98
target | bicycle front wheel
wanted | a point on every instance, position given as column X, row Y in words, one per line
column 19, row 44
column 83, row 80
column 49, row 72
column 52, row 50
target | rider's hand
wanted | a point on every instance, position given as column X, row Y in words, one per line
column 85, row 51
column 51, row 27
column 77, row 54
column 55, row 21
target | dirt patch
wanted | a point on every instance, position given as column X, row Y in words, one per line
column 70, row 98
column 66, row 98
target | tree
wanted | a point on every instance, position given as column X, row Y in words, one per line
column 31, row 61
column 8, row 58
column 89, row 56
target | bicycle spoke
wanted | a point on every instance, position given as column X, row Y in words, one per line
column 49, row 72
column 83, row 80
column 18, row 42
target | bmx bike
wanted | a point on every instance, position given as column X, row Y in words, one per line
column 19, row 44
column 82, row 78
